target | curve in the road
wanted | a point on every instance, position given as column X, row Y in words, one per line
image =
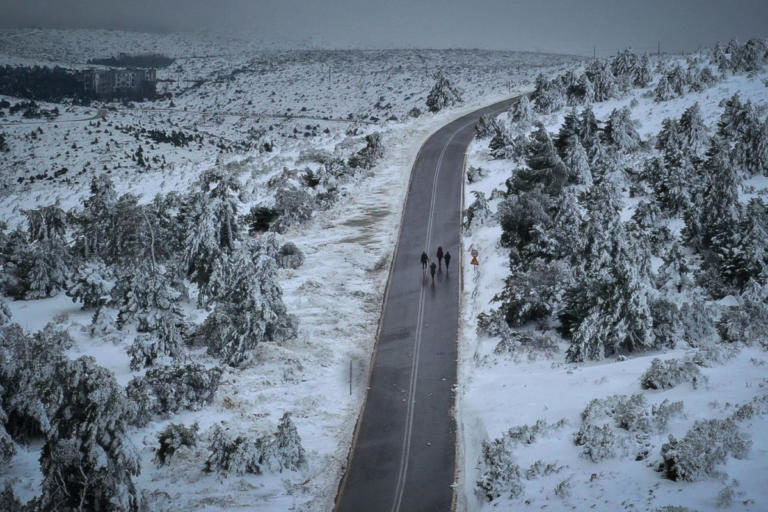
column 403, row 458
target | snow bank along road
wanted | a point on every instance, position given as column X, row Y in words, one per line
column 404, row 453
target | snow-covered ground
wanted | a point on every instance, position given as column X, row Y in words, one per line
column 498, row 392
column 320, row 377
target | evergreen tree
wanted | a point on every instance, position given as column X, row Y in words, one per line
column 620, row 132
column 544, row 165
column 549, row 95
column 521, row 112
column 250, row 307
column 212, row 224
column 91, row 284
column 693, row 131
column 589, row 132
column 624, row 67
column 86, row 461
column 571, row 127
column 643, row 75
column 46, row 260
column 749, row 258
column 663, row 91
column 603, row 81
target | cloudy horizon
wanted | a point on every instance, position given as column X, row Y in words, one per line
column 560, row 26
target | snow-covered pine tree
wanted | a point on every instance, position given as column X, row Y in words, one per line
column 663, row 90
column 249, row 307
column 620, row 132
column 571, row 127
column 643, row 75
column 211, row 223
column 720, row 59
column 549, row 95
column 749, row 57
column 289, row 454
column 443, row 94
column 161, row 342
column 603, row 81
column 87, row 461
column 749, row 258
column 713, row 219
column 486, row 127
column 589, row 133
column 577, row 162
column 92, row 222
column 46, row 260
column 737, row 119
column 521, row 112
column 674, row 275
column 147, row 292
column 624, row 68
column 693, row 131
column 544, row 165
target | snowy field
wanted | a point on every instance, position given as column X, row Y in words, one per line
column 506, row 390
column 234, row 99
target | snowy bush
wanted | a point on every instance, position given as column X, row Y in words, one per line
column 475, row 174
column 671, row 372
column 499, row 476
column 477, row 213
column 277, row 452
column 367, row 157
column 230, row 454
column 172, row 438
column 293, row 206
column 619, row 423
column 442, row 95
column 169, row 389
column 515, row 342
column 707, row 444
column 539, row 469
column 597, row 442
column 290, row 256
column 87, row 462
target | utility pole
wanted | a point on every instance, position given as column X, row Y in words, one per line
column 594, row 53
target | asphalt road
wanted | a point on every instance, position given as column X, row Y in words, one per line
column 404, row 453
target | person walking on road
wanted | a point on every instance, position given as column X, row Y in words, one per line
column 440, row 257
column 424, row 263
column 432, row 269
column 447, row 259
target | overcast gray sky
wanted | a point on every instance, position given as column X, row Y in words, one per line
column 569, row 26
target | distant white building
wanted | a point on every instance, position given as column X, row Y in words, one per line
column 111, row 83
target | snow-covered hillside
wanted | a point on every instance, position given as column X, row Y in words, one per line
column 622, row 291
column 221, row 254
